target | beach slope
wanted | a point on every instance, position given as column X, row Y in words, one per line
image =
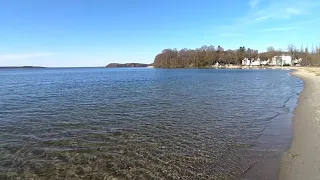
column 302, row 161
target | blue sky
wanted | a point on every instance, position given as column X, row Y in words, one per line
column 94, row 33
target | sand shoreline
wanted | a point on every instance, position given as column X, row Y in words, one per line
column 302, row 160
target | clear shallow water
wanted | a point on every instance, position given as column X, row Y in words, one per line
column 97, row 123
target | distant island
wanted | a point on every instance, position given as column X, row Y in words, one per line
column 126, row 65
column 20, row 67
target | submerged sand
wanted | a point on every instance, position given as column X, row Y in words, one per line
column 302, row 161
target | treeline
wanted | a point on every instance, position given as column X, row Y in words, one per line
column 208, row 56
column 202, row 57
column 309, row 56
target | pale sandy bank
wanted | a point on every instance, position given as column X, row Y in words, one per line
column 302, row 161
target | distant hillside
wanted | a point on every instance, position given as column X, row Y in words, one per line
column 20, row 67
column 117, row 65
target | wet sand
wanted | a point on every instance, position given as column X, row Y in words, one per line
column 302, row 160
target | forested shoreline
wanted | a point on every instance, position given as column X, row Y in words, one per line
column 208, row 56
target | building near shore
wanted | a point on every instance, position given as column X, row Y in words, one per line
column 280, row 60
column 297, row 62
column 255, row 62
column 251, row 62
column 283, row 60
column 246, row 62
column 265, row 62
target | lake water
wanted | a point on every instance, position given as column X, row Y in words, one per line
column 98, row 123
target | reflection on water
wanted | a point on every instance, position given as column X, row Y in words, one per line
column 136, row 123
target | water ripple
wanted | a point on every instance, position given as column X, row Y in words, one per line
column 136, row 123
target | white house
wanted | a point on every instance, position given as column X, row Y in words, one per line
column 246, row 62
column 255, row 62
column 264, row 62
column 286, row 60
column 281, row 60
column 252, row 62
column 217, row 65
column 297, row 61
column 273, row 61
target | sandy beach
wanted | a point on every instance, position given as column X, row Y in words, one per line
column 302, row 160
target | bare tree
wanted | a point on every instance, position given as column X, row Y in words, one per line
column 271, row 49
column 271, row 52
column 292, row 50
